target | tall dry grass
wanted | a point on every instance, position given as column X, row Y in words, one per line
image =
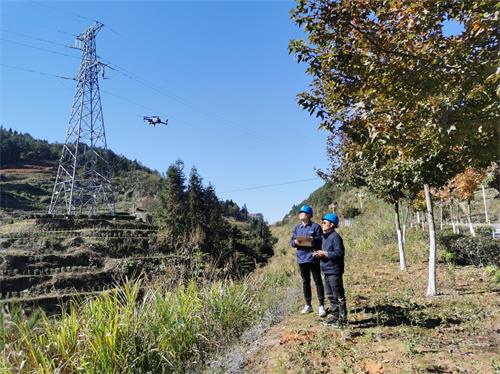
column 140, row 327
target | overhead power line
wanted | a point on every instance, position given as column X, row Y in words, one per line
column 39, row 48
column 41, row 4
column 35, row 38
column 35, row 71
column 185, row 102
column 270, row 185
column 74, row 14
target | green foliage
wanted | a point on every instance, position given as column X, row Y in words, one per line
column 192, row 218
column 16, row 147
column 320, row 200
column 405, row 103
column 231, row 209
column 172, row 209
column 461, row 249
column 351, row 212
column 137, row 328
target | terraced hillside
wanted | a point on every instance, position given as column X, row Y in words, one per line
column 45, row 259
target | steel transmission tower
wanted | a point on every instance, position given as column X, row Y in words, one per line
column 83, row 182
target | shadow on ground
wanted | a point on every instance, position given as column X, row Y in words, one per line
column 394, row 315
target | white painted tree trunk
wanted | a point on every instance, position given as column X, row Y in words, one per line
column 469, row 220
column 402, row 260
column 422, row 221
column 452, row 220
column 441, row 214
column 418, row 217
column 360, row 199
column 485, row 206
column 431, row 287
column 404, row 234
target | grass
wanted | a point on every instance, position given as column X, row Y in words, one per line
column 393, row 326
column 140, row 327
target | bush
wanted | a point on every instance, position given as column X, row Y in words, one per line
column 468, row 250
column 351, row 212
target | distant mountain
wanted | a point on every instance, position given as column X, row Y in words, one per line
column 29, row 166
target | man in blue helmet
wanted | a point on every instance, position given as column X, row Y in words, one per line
column 332, row 265
column 306, row 238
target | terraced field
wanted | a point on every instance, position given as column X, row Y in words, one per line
column 45, row 260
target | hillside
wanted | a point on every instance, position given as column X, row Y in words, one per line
column 253, row 325
column 393, row 326
column 46, row 259
column 29, row 167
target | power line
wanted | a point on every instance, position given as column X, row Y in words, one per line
column 161, row 91
column 134, row 77
column 63, row 11
column 35, row 71
column 35, row 38
column 74, row 14
column 39, row 48
column 270, row 185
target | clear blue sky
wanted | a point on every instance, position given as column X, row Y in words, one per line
column 226, row 82
column 222, row 76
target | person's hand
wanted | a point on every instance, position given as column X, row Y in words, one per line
column 319, row 254
column 296, row 241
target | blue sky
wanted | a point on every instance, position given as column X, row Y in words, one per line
column 219, row 71
column 222, row 76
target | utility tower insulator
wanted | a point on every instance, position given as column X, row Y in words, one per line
column 83, row 181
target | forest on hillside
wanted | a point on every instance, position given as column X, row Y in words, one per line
column 190, row 217
column 16, row 147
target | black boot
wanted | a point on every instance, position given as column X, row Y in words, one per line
column 335, row 316
column 342, row 322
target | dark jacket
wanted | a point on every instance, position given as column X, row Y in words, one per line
column 334, row 248
column 304, row 254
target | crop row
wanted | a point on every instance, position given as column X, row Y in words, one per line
column 98, row 233
column 48, row 270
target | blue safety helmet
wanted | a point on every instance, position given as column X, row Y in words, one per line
column 306, row 209
column 332, row 217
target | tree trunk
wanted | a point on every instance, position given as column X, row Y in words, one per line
column 485, row 206
column 451, row 218
column 360, row 199
column 405, row 221
column 402, row 261
column 441, row 214
column 431, row 288
column 469, row 220
column 423, row 223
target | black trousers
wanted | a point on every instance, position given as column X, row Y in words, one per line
column 305, row 272
column 335, row 290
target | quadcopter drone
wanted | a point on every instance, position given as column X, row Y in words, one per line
column 154, row 120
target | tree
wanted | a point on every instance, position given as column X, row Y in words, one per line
column 196, row 209
column 463, row 186
column 172, row 209
column 387, row 80
column 381, row 176
column 244, row 212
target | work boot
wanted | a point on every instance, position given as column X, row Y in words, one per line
column 342, row 313
column 332, row 322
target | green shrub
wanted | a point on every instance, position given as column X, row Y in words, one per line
column 467, row 250
column 351, row 212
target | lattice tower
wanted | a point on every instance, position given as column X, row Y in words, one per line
column 83, row 182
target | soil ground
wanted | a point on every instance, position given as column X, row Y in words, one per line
column 455, row 332
column 393, row 327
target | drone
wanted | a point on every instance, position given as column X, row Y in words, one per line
column 155, row 120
